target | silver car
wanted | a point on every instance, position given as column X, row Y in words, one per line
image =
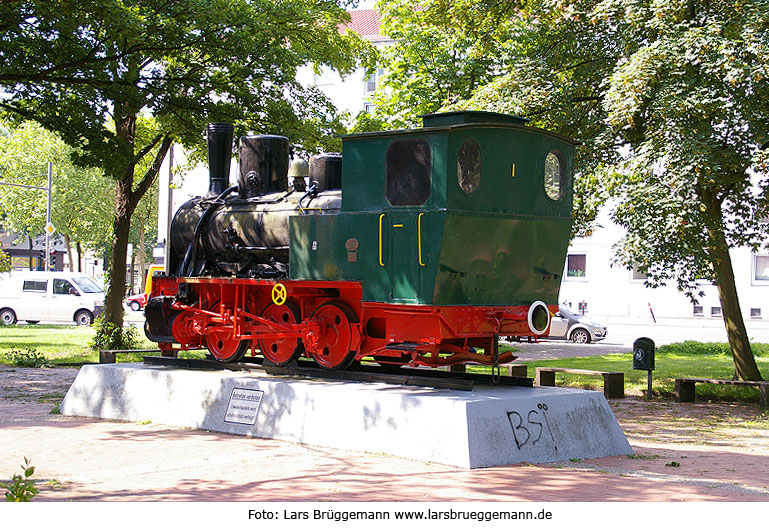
column 567, row 325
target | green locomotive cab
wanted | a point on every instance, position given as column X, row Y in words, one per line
column 474, row 208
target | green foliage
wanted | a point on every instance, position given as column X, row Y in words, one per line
column 5, row 261
column 524, row 58
column 712, row 349
column 442, row 52
column 25, row 151
column 29, row 357
column 90, row 70
column 687, row 98
column 22, row 488
column 111, row 336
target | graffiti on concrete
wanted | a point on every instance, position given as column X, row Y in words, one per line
column 529, row 427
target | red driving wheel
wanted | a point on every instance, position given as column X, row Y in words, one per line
column 223, row 346
column 334, row 336
column 281, row 351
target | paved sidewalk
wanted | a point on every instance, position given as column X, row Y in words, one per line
column 683, row 452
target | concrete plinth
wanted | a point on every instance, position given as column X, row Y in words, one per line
column 482, row 428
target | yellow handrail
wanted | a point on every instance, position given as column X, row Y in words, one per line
column 419, row 238
column 381, row 263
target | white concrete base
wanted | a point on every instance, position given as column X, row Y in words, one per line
column 481, row 428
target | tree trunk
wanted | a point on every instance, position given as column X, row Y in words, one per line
column 126, row 199
column 744, row 361
column 113, row 301
column 79, row 257
column 31, row 266
column 68, row 244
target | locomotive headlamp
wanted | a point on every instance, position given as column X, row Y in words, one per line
column 539, row 318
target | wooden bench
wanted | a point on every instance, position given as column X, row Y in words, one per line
column 685, row 388
column 613, row 382
column 107, row 356
column 512, row 370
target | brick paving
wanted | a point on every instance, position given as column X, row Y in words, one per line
column 683, row 452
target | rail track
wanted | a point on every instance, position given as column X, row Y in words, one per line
column 405, row 376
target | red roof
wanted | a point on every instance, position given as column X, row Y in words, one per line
column 365, row 22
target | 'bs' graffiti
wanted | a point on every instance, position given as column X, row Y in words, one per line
column 529, row 430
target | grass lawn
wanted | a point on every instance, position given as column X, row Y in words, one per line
column 62, row 343
column 686, row 359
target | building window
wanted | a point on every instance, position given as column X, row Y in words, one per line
column 755, row 314
column 408, row 164
column 372, row 80
column 369, row 107
column 761, row 267
column 576, row 265
column 715, row 312
column 698, row 310
column 636, row 274
column 324, row 78
column 555, row 175
column 469, row 166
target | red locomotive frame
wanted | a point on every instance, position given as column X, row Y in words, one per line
column 329, row 322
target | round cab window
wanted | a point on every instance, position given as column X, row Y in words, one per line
column 555, row 175
column 469, row 166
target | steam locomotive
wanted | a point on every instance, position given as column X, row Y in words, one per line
column 418, row 247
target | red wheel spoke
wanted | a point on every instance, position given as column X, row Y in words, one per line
column 334, row 337
column 223, row 346
column 281, row 351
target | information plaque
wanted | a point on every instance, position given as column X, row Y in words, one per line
column 243, row 406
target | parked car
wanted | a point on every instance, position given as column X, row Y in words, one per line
column 567, row 325
column 138, row 301
column 49, row 296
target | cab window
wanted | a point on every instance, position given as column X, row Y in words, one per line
column 408, row 164
column 469, row 166
column 555, row 175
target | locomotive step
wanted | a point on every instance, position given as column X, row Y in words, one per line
column 403, row 346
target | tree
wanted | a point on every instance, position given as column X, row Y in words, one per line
column 442, row 52
column 681, row 85
column 89, row 69
column 668, row 99
column 80, row 197
column 689, row 98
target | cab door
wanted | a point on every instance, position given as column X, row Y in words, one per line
column 404, row 265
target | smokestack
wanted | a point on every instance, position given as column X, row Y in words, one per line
column 219, row 154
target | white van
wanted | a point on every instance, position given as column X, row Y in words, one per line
column 49, row 296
